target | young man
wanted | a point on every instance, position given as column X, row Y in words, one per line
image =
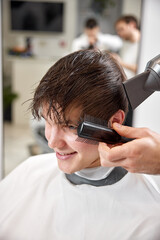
column 68, row 194
column 127, row 28
column 92, row 38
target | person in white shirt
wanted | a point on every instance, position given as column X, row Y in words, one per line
column 68, row 194
column 127, row 28
column 93, row 38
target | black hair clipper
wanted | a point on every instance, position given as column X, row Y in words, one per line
column 93, row 132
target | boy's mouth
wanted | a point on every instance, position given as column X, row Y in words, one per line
column 64, row 156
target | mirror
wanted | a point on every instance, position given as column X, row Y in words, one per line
column 26, row 58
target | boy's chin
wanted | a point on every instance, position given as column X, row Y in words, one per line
column 67, row 171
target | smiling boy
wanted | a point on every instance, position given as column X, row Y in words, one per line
column 78, row 198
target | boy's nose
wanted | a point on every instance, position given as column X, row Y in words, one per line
column 56, row 138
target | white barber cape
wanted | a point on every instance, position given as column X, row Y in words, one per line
column 37, row 202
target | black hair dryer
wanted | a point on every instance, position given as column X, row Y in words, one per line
column 140, row 87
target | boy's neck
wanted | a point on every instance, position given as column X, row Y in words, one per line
column 95, row 173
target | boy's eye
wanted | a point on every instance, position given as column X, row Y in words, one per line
column 72, row 127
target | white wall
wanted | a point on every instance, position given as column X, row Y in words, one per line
column 148, row 113
column 1, row 115
column 132, row 7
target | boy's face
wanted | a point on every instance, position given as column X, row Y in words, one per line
column 71, row 155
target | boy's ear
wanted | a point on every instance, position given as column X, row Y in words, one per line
column 118, row 117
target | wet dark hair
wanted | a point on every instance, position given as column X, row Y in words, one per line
column 128, row 19
column 91, row 23
column 90, row 79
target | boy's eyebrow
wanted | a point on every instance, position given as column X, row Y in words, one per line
column 69, row 121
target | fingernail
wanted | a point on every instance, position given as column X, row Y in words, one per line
column 117, row 125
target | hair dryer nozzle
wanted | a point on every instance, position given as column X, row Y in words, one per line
column 140, row 87
column 153, row 81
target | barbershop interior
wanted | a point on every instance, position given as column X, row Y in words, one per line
column 27, row 52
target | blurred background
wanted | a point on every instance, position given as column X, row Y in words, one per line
column 27, row 51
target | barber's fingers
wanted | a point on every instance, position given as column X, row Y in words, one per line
column 106, row 161
column 133, row 156
column 131, row 132
column 110, row 157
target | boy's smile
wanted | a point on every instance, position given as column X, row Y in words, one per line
column 71, row 155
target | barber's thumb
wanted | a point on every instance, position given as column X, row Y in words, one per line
column 125, row 131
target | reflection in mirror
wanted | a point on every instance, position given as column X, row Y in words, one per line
column 27, row 55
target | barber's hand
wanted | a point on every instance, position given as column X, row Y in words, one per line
column 92, row 40
column 117, row 57
column 131, row 67
column 141, row 155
